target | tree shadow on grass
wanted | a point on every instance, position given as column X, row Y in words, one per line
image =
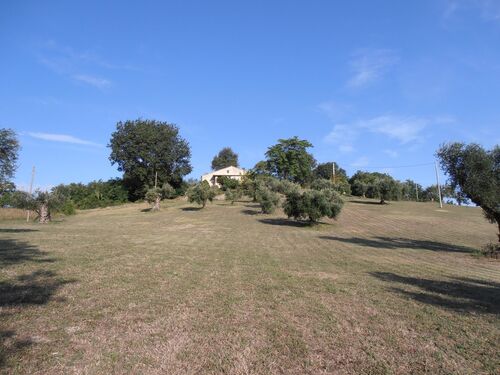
column 19, row 292
column 250, row 212
column 13, row 252
column 188, row 209
column 35, row 288
column 376, row 203
column 401, row 243
column 17, row 230
column 291, row 223
column 459, row 294
column 10, row 345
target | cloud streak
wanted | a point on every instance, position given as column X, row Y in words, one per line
column 369, row 65
column 100, row 83
column 63, row 138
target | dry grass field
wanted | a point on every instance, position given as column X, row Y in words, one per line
column 390, row 289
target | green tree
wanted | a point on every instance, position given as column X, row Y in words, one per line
column 289, row 160
column 201, row 193
column 267, row 199
column 9, row 150
column 144, row 148
column 313, row 204
column 155, row 195
column 325, row 171
column 388, row 188
column 474, row 172
column 42, row 202
column 232, row 195
column 225, row 158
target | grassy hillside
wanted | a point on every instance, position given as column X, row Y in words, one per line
column 385, row 289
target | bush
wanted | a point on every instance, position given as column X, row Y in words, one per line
column 313, row 204
column 491, row 250
column 228, row 183
column 267, row 199
column 94, row 194
column 233, row 195
column 68, row 208
column 201, row 193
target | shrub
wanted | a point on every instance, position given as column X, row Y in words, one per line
column 68, row 208
column 267, row 199
column 201, row 193
column 156, row 194
column 233, row 195
column 313, row 204
column 228, row 183
column 491, row 250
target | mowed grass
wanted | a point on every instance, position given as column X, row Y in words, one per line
column 389, row 289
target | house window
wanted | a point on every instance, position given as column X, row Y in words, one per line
column 228, row 171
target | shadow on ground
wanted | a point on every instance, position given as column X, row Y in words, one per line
column 13, row 252
column 10, row 345
column 401, row 243
column 21, row 291
column 250, row 212
column 368, row 202
column 17, row 230
column 291, row 223
column 188, row 209
column 460, row 294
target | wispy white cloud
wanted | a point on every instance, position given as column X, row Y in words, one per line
column 408, row 131
column 403, row 129
column 98, row 82
column 64, row 138
column 68, row 62
column 343, row 136
column 369, row 65
column 489, row 10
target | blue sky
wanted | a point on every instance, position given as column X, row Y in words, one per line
column 372, row 84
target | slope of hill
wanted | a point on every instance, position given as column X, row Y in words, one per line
column 385, row 289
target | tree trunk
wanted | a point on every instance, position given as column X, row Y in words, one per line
column 498, row 222
column 44, row 213
column 156, row 205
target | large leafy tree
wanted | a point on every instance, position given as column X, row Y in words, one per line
column 289, row 160
column 9, row 149
column 144, row 148
column 325, row 171
column 475, row 173
column 225, row 158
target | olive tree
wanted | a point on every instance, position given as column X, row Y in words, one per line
column 155, row 195
column 313, row 204
column 200, row 193
column 475, row 173
column 42, row 202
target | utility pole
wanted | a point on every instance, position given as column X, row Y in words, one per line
column 416, row 190
column 333, row 172
column 438, row 186
column 31, row 190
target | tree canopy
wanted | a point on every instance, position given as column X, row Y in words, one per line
column 9, row 149
column 142, row 148
column 225, row 158
column 289, row 160
column 475, row 173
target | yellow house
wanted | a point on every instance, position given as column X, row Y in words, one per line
column 231, row 172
